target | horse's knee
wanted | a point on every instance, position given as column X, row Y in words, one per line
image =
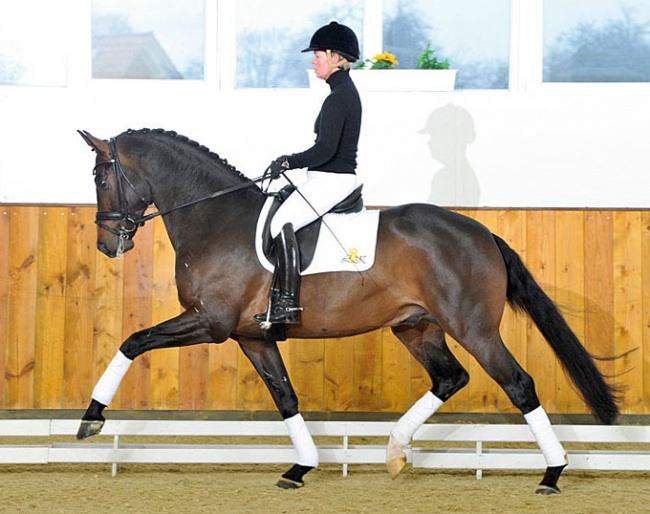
column 445, row 388
column 132, row 347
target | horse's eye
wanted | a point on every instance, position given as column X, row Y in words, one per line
column 103, row 184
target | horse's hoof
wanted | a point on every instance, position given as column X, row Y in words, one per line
column 547, row 489
column 89, row 428
column 285, row 483
column 395, row 458
column 396, row 466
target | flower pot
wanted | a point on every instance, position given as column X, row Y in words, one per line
column 404, row 80
column 396, row 80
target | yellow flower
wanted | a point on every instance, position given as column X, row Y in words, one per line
column 382, row 61
column 387, row 57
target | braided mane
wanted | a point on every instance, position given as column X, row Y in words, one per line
column 186, row 140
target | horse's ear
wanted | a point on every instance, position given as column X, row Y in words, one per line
column 99, row 145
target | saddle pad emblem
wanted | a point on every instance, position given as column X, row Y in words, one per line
column 353, row 257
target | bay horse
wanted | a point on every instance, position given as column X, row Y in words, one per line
column 436, row 272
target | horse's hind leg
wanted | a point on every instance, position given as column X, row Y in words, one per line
column 499, row 363
column 267, row 360
column 427, row 344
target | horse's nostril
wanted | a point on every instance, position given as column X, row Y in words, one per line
column 102, row 248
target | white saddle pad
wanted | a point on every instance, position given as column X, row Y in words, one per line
column 346, row 242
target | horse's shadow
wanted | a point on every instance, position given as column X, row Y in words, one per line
column 451, row 129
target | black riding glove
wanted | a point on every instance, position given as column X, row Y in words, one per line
column 278, row 166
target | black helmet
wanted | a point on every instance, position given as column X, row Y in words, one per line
column 338, row 38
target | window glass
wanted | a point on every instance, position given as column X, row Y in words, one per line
column 271, row 35
column 148, row 39
column 597, row 41
column 32, row 43
column 473, row 35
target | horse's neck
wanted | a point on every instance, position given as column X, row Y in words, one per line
column 202, row 219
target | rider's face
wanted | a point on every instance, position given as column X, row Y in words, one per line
column 322, row 65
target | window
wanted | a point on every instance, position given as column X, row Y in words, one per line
column 152, row 39
column 596, row 41
column 33, row 53
column 473, row 35
column 270, row 36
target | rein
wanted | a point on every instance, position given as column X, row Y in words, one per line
column 129, row 222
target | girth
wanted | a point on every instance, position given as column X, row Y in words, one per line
column 308, row 235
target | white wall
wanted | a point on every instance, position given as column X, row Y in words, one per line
column 541, row 146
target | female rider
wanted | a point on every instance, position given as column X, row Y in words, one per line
column 331, row 163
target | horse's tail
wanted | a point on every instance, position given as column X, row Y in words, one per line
column 525, row 294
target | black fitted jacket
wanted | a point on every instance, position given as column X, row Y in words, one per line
column 337, row 130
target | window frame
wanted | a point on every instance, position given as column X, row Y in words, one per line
column 525, row 66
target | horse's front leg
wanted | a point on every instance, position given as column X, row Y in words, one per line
column 185, row 330
column 266, row 359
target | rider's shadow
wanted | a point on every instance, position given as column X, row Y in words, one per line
column 451, row 130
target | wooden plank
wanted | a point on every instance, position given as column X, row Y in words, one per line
column 193, row 377
column 644, row 372
column 50, row 316
column 308, row 375
column 5, row 216
column 21, row 327
column 569, row 279
column 395, row 368
column 540, row 258
column 136, row 316
column 338, row 374
column 222, row 379
column 367, row 370
column 599, row 287
column 628, row 311
column 165, row 305
column 79, row 308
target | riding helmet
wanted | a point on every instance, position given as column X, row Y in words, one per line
column 338, row 38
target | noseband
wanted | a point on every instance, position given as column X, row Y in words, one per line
column 129, row 222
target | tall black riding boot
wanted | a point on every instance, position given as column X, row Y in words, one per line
column 285, row 308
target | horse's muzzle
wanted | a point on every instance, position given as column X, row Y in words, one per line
column 123, row 246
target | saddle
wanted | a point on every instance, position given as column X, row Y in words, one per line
column 308, row 235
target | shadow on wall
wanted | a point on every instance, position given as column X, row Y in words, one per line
column 451, row 129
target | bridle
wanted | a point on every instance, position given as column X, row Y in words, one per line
column 130, row 222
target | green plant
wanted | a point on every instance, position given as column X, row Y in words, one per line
column 428, row 60
column 383, row 61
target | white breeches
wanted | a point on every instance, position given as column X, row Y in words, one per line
column 316, row 196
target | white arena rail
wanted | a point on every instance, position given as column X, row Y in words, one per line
column 458, row 446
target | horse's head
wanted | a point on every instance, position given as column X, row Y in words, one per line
column 120, row 202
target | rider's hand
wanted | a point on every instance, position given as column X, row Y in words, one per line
column 278, row 166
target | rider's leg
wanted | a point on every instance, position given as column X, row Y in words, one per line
column 315, row 197
column 287, row 308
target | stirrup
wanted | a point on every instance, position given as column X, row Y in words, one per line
column 286, row 310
